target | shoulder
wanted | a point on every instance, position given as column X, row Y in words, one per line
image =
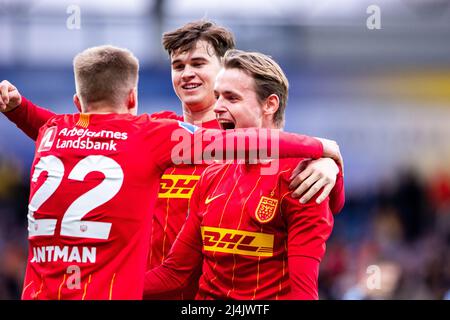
column 290, row 162
column 211, row 176
column 60, row 119
column 147, row 121
column 216, row 168
column 166, row 115
column 287, row 166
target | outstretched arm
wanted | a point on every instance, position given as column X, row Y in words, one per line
column 27, row 116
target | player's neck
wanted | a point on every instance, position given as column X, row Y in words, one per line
column 269, row 124
column 203, row 115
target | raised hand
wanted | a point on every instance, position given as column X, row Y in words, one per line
column 10, row 97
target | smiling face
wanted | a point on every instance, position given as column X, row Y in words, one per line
column 237, row 104
column 193, row 75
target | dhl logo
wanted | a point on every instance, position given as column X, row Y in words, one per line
column 177, row 186
column 237, row 242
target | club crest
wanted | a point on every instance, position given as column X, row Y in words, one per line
column 266, row 209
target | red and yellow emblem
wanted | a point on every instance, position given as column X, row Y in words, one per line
column 83, row 121
column 266, row 210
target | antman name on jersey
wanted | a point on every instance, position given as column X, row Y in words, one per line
column 64, row 254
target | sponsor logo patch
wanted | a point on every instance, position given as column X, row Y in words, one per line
column 237, row 242
column 209, row 199
column 48, row 139
column 177, row 186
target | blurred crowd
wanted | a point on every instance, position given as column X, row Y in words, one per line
column 14, row 192
column 393, row 243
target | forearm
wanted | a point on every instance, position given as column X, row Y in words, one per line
column 337, row 195
column 177, row 270
column 161, row 280
column 251, row 145
column 29, row 117
column 184, row 143
column 273, row 144
column 303, row 276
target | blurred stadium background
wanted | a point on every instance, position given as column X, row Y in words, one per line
column 384, row 95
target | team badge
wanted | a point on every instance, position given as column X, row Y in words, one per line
column 266, row 209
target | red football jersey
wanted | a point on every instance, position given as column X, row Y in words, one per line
column 248, row 236
column 90, row 203
column 176, row 187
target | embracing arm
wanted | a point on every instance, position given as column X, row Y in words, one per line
column 185, row 143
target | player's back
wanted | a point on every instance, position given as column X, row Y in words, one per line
column 93, row 178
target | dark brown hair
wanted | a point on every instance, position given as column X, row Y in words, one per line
column 184, row 39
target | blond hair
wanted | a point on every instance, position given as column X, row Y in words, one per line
column 268, row 76
column 105, row 73
column 184, row 38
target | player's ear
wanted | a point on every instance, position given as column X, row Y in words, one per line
column 132, row 99
column 77, row 102
column 271, row 106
